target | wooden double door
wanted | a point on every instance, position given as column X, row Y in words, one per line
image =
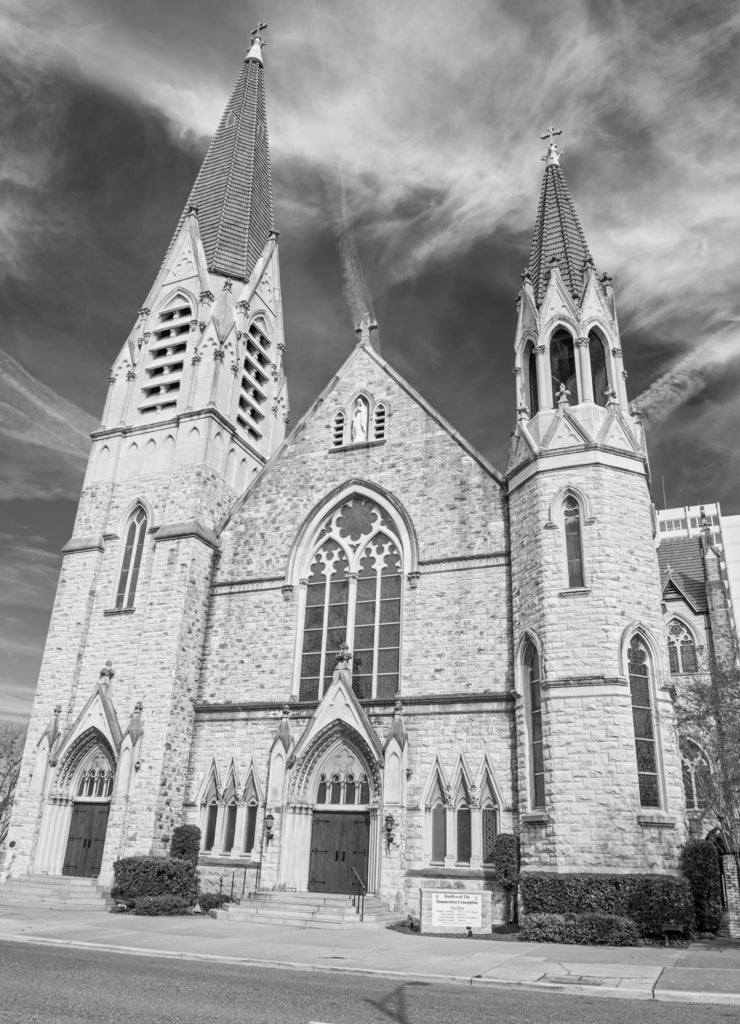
column 86, row 840
column 339, row 842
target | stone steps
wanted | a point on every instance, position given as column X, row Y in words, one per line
column 306, row 910
column 49, row 892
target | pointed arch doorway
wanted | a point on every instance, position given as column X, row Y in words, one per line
column 340, row 829
column 91, row 788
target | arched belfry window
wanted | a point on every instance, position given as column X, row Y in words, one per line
column 353, row 596
column 130, row 566
column 563, row 367
column 599, row 375
column 681, row 648
column 644, row 725
column 530, row 379
column 532, row 681
column 573, row 541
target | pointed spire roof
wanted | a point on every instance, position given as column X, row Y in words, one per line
column 557, row 233
column 232, row 194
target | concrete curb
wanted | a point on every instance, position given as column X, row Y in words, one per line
column 574, row 988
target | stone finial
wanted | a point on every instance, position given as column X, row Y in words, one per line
column 284, row 732
column 563, row 396
column 255, row 50
column 611, row 396
column 193, row 209
column 553, row 153
column 522, row 413
column 364, row 327
column 107, row 672
column 344, row 656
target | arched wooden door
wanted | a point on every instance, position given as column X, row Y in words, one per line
column 86, row 839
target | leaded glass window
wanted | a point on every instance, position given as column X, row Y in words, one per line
column 463, row 835
column 488, row 828
column 131, row 564
column 642, row 718
column 573, row 545
column 343, row 790
column 681, row 649
column 353, row 595
column 532, row 682
column 697, row 777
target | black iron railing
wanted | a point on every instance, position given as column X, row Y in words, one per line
column 359, row 890
column 230, row 882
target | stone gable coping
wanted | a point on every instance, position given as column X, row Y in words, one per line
column 90, row 543
column 192, row 528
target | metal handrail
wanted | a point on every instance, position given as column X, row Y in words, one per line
column 359, row 890
column 233, row 875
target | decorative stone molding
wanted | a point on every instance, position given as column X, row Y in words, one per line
column 413, row 578
column 287, row 591
column 617, row 352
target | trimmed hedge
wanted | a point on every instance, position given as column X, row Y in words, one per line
column 160, row 906
column 700, row 862
column 212, row 901
column 583, row 929
column 649, row 900
column 155, row 876
column 185, row 843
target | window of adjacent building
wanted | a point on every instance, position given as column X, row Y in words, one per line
column 644, row 726
column 681, row 648
column 697, row 777
column 131, row 563
column 573, row 541
column 532, row 684
column 255, row 374
column 353, row 596
column 599, row 376
column 563, row 367
column 166, row 357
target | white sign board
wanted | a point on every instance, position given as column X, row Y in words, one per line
column 457, row 909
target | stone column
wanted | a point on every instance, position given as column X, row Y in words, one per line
column 544, row 387
column 584, row 364
column 620, row 376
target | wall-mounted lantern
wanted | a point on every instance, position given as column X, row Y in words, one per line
column 390, row 824
column 269, row 822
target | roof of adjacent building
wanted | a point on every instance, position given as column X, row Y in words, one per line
column 681, row 562
column 233, row 190
column 557, row 235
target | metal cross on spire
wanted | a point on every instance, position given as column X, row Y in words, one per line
column 553, row 153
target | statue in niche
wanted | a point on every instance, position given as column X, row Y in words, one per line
column 359, row 420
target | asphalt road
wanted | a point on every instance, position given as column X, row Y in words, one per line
column 47, row 985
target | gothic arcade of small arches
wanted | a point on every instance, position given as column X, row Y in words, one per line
column 76, row 813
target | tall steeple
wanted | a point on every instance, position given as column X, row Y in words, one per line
column 558, row 234
column 209, row 337
column 233, row 190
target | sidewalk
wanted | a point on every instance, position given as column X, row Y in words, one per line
column 699, row 973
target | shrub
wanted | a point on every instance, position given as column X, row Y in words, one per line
column 585, row 929
column 186, row 843
column 649, row 900
column 506, row 863
column 212, row 901
column 154, row 876
column 160, row 906
column 700, row 863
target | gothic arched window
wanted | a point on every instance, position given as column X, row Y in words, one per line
column 462, row 824
column 697, row 777
column 644, row 725
column 599, row 376
column 353, row 596
column 489, row 820
column 681, row 648
column 532, row 695
column 563, row 367
column 131, row 564
column 573, row 541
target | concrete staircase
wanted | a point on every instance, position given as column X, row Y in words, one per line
column 53, row 892
column 306, row 910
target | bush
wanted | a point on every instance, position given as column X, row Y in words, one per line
column 160, row 906
column 700, row 863
column 186, row 843
column 649, row 900
column 506, row 864
column 585, row 929
column 155, row 876
column 212, row 901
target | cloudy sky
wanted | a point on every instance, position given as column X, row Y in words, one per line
column 406, row 162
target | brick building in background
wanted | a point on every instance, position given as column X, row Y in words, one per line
column 360, row 646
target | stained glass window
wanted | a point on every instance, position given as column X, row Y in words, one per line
column 681, row 649
column 131, row 564
column 697, row 777
column 573, row 545
column 532, row 682
column 353, row 596
column 642, row 718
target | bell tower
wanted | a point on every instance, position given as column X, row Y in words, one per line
column 196, row 404
column 598, row 764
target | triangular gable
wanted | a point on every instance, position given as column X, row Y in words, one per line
column 187, row 250
column 362, row 350
column 339, row 704
column 615, row 432
column 672, row 589
column 98, row 713
column 437, row 779
column 564, row 432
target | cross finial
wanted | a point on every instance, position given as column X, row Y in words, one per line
column 364, row 327
column 553, row 153
column 258, row 31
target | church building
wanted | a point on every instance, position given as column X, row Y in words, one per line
column 356, row 649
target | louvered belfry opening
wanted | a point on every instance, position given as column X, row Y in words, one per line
column 166, row 358
column 255, row 374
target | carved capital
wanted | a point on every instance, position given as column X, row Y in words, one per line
column 287, row 591
column 206, row 296
column 581, row 342
column 617, row 353
column 413, row 578
column 242, row 306
column 194, row 325
column 218, row 355
column 540, row 350
column 144, row 312
column 195, row 361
